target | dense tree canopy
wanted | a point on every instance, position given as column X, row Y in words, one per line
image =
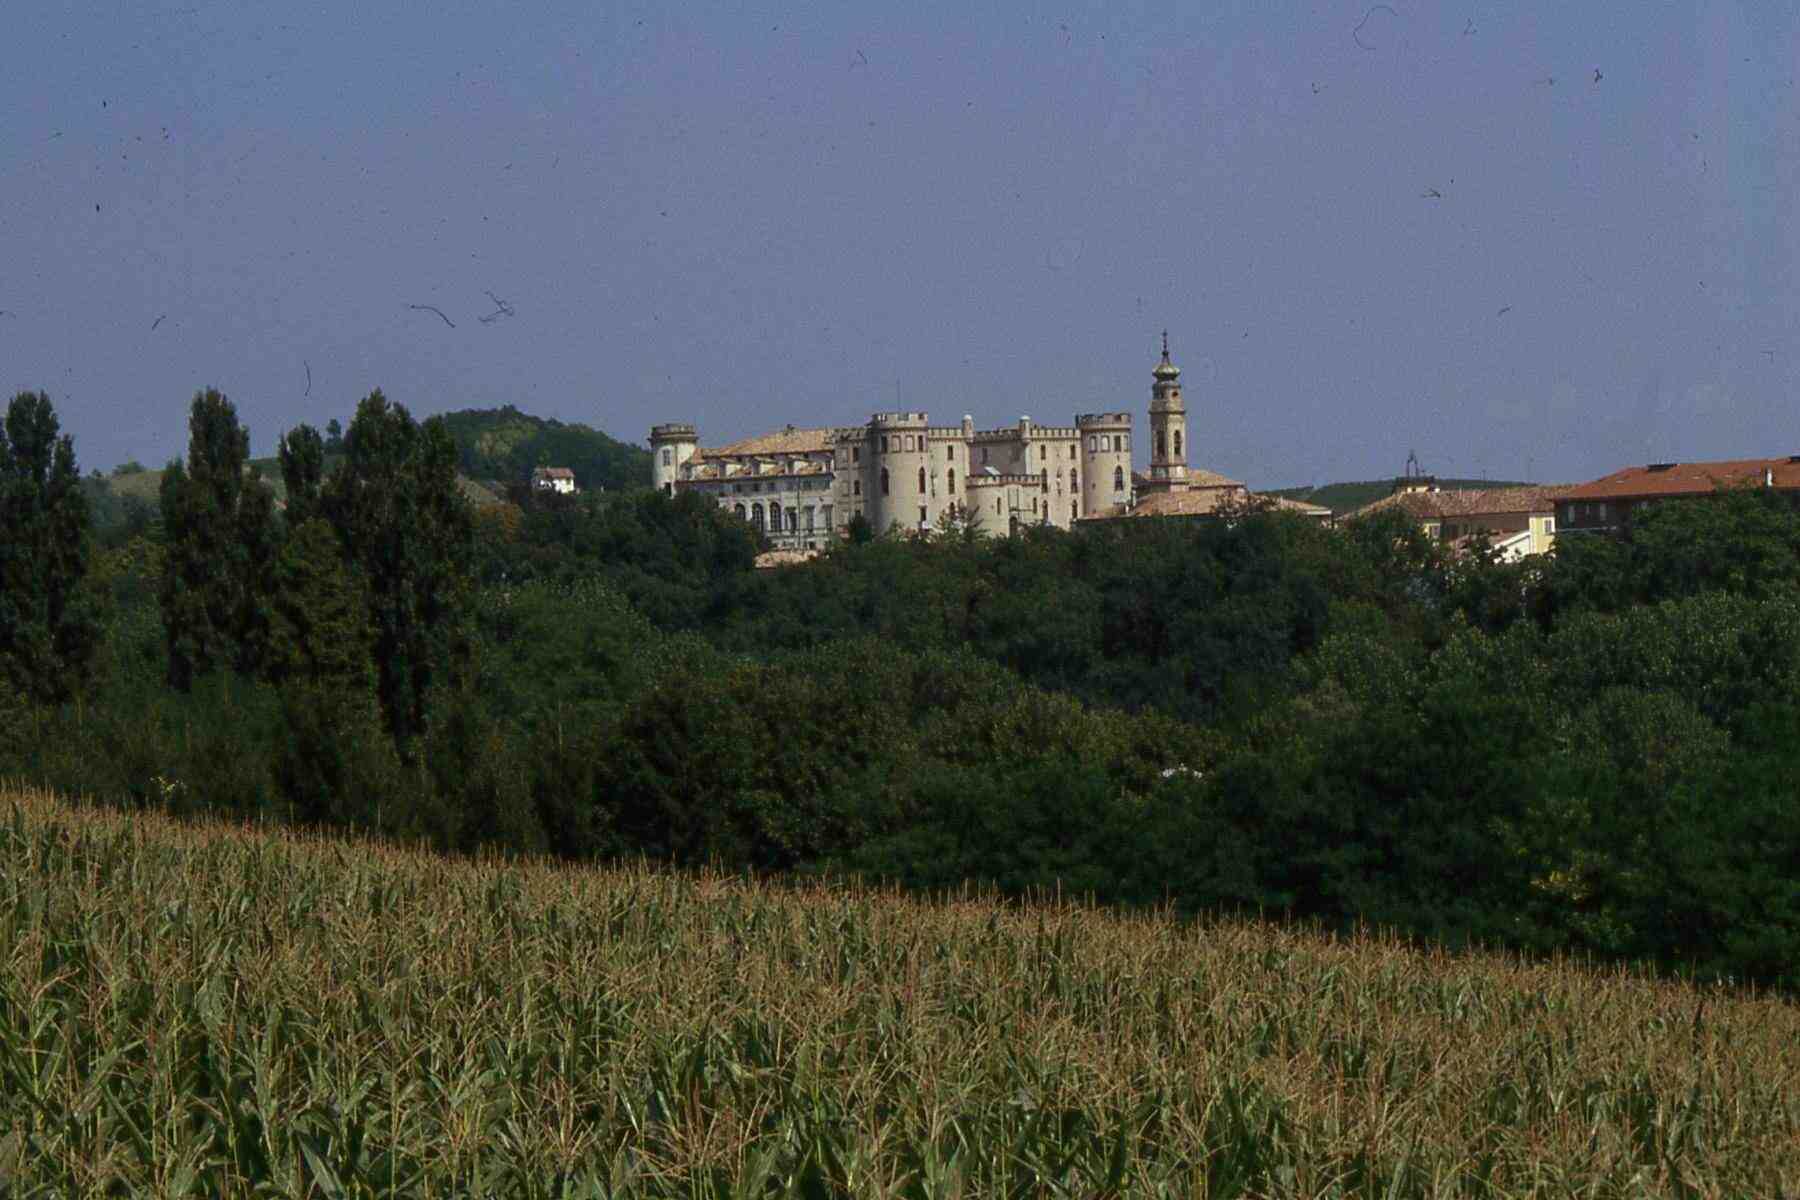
column 1592, row 752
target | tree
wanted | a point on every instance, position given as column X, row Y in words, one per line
column 403, row 521
column 302, row 456
column 48, row 632
column 334, row 437
column 219, row 530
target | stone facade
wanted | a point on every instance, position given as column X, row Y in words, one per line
column 803, row 487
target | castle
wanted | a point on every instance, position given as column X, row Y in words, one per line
column 803, row 487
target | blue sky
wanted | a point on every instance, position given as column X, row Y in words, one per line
column 1536, row 240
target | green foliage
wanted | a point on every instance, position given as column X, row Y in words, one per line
column 1741, row 542
column 48, row 626
column 403, row 522
column 220, row 539
column 505, row 444
column 302, row 456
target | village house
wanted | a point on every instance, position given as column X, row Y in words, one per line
column 1604, row 503
column 560, row 480
column 1516, row 521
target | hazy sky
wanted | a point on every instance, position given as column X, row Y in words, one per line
column 1533, row 240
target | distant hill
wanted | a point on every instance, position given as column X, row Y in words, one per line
column 118, row 499
column 503, row 445
column 1341, row 498
column 495, row 446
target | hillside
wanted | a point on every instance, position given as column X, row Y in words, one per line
column 497, row 447
column 503, row 445
column 197, row 1008
column 1347, row 497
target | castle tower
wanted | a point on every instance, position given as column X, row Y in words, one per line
column 1168, row 426
column 671, row 445
column 897, row 485
column 1105, row 461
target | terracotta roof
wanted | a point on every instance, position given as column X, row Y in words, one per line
column 1299, row 507
column 553, row 473
column 1478, row 502
column 1689, row 479
column 792, row 441
column 1197, row 477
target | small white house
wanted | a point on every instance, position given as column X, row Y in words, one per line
column 560, row 480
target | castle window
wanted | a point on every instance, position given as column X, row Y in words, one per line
column 1043, row 453
column 756, row 515
column 922, row 521
column 950, row 452
column 884, row 481
column 884, row 448
column 856, row 487
column 1074, row 480
column 1178, row 443
column 1118, row 479
column 740, row 512
column 1162, row 445
column 951, row 477
column 909, row 442
column 921, row 481
column 668, row 457
column 1125, row 442
column 856, row 454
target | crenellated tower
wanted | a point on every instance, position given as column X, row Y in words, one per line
column 1105, row 478
column 671, row 445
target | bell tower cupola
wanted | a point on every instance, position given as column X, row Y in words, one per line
column 1168, row 425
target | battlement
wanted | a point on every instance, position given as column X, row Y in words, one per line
column 673, row 431
column 1084, row 420
column 899, row 420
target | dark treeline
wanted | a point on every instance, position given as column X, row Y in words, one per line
column 1594, row 753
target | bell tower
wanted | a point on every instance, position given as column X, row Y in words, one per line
column 1168, row 425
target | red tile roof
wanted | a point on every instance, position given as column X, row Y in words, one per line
column 1690, row 478
column 1477, row 502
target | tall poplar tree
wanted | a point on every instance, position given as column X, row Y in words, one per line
column 48, row 630
column 219, row 534
column 404, row 522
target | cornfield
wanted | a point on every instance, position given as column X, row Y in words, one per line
column 192, row 1009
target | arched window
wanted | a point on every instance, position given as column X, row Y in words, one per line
column 1178, row 443
column 1093, row 443
column 921, row 481
column 740, row 512
column 1074, row 480
column 756, row 515
column 1162, row 446
column 1118, row 479
column 950, row 477
column 884, row 481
